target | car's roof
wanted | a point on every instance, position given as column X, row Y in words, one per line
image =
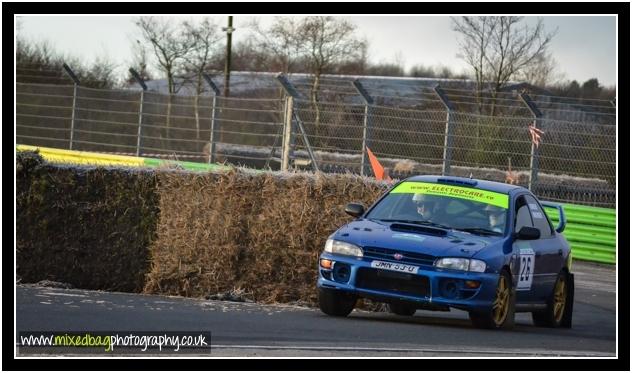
column 492, row 186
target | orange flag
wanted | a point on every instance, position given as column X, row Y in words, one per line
column 378, row 170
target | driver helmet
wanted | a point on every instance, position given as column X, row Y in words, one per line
column 425, row 203
column 495, row 214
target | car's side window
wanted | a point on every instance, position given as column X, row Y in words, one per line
column 539, row 218
column 523, row 217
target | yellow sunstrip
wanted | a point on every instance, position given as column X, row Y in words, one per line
column 470, row 194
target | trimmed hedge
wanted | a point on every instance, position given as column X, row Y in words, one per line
column 90, row 227
column 258, row 233
column 175, row 232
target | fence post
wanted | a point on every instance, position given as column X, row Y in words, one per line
column 366, row 125
column 287, row 133
column 141, row 82
column 288, row 143
column 534, row 162
column 449, row 130
column 140, row 122
column 215, row 90
column 75, row 80
column 72, row 117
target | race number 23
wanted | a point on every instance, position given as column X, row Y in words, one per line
column 527, row 264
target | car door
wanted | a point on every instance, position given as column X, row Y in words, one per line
column 549, row 256
column 527, row 256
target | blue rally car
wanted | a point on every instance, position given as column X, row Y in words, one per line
column 436, row 242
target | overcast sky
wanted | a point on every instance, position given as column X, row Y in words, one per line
column 584, row 47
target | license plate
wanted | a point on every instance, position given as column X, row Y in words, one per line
column 399, row 267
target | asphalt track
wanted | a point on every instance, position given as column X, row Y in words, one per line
column 249, row 329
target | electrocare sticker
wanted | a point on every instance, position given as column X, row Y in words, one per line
column 409, row 236
column 527, row 266
column 471, row 194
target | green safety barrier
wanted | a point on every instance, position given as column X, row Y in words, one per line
column 191, row 166
column 591, row 231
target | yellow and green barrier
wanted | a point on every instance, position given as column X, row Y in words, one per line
column 100, row 159
column 591, row 231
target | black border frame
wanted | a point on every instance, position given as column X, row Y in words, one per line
column 577, row 8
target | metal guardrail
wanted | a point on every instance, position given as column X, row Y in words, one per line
column 591, row 231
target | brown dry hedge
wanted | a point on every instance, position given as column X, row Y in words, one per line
column 180, row 233
column 260, row 233
column 87, row 226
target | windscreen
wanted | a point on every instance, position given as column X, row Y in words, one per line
column 446, row 206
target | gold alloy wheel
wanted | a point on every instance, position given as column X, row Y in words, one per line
column 501, row 303
column 559, row 299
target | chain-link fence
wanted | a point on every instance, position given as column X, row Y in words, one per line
column 419, row 132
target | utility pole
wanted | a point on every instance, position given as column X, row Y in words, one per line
column 229, row 39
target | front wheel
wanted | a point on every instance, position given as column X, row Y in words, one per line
column 502, row 314
column 336, row 303
column 559, row 308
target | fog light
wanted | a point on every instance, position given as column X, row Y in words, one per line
column 449, row 289
column 342, row 272
column 471, row 284
column 326, row 263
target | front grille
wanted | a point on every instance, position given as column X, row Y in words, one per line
column 403, row 283
column 408, row 257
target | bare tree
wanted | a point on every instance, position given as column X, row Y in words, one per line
column 248, row 55
column 542, row 72
column 170, row 45
column 100, row 74
column 140, row 62
column 498, row 49
column 282, row 40
column 203, row 39
column 358, row 65
column 40, row 62
column 327, row 41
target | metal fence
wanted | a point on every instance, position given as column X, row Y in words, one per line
column 443, row 130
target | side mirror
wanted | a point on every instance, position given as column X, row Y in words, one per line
column 528, row 233
column 354, row 209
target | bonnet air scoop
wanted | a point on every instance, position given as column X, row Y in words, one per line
column 412, row 228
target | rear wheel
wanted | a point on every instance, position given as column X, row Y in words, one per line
column 558, row 309
column 402, row 309
column 336, row 303
column 501, row 316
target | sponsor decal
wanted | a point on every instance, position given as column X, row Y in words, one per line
column 471, row 194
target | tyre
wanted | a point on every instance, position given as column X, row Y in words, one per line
column 336, row 303
column 402, row 309
column 559, row 307
column 502, row 313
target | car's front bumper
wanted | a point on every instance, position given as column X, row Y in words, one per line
column 441, row 288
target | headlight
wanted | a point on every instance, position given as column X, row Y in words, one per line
column 461, row 264
column 477, row 265
column 342, row 248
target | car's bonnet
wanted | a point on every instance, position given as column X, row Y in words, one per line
column 368, row 233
